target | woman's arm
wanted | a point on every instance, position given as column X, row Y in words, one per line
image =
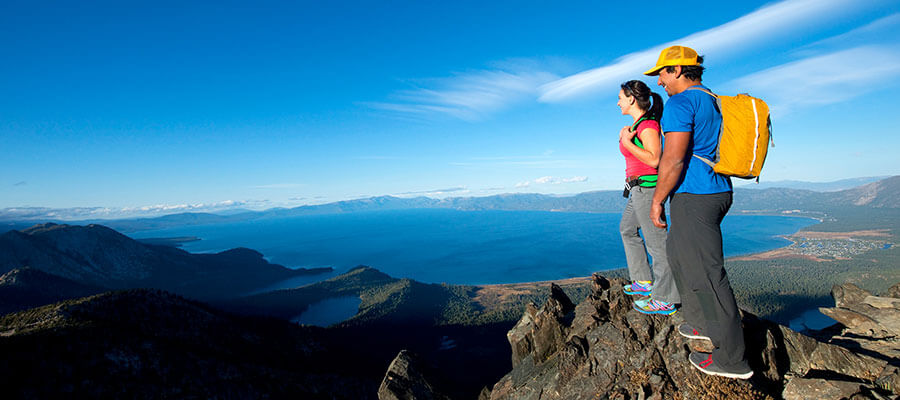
column 650, row 153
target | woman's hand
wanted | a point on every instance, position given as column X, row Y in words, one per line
column 626, row 134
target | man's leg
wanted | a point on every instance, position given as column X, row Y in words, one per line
column 704, row 274
column 677, row 244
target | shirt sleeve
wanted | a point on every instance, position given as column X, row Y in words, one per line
column 648, row 124
column 678, row 115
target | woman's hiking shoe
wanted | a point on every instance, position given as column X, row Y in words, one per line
column 656, row 307
column 691, row 333
column 705, row 363
column 641, row 302
column 637, row 288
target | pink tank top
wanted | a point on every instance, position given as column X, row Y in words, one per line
column 633, row 166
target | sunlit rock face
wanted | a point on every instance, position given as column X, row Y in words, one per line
column 605, row 349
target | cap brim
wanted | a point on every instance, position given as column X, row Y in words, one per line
column 654, row 71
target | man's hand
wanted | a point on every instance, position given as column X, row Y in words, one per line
column 658, row 215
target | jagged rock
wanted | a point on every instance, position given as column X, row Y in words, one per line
column 611, row 351
column 848, row 293
column 894, row 291
column 406, row 380
column 541, row 332
column 889, row 380
column 870, row 322
column 803, row 389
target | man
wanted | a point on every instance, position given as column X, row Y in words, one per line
column 700, row 199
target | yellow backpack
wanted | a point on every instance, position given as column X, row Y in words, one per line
column 746, row 133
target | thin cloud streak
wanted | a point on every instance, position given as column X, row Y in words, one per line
column 872, row 33
column 729, row 38
column 551, row 180
column 793, row 85
column 470, row 96
column 435, row 192
column 81, row 213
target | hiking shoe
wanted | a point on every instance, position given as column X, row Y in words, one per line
column 656, row 307
column 691, row 333
column 637, row 288
column 641, row 302
column 704, row 362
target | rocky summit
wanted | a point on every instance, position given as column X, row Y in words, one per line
column 603, row 349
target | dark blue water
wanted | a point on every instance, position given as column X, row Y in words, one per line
column 329, row 311
column 463, row 247
column 811, row 319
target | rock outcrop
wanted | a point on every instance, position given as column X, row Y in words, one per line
column 869, row 325
column 406, row 379
column 606, row 350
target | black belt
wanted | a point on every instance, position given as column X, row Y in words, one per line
column 632, row 182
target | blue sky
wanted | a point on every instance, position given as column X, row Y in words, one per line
column 148, row 107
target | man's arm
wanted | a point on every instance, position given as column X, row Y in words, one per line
column 671, row 164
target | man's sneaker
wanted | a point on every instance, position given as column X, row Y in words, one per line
column 691, row 333
column 637, row 288
column 656, row 307
column 705, row 363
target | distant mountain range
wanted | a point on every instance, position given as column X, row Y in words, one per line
column 833, row 186
column 880, row 194
column 98, row 256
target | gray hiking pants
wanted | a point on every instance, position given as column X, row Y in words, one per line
column 636, row 221
column 695, row 253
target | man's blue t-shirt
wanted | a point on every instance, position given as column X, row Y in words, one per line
column 696, row 112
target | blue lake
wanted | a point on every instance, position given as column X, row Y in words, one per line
column 461, row 247
column 329, row 311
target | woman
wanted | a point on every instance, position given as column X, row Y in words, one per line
column 641, row 145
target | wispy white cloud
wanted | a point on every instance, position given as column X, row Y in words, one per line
column 734, row 37
column 824, row 79
column 167, row 208
column 92, row 213
column 20, row 183
column 436, row 192
column 472, row 95
column 552, row 180
column 875, row 32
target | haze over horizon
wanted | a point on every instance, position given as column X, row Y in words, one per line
column 169, row 107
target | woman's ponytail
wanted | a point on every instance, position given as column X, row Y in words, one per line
column 642, row 95
column 656, row 110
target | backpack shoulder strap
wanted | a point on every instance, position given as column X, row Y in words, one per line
column 705, row 160
column 703, row 90
column 719, row 107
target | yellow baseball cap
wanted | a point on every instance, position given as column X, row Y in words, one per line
column 674, row 55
